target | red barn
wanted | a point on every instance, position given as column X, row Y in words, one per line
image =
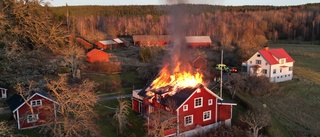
column 196, row 109
column 96, row 55
column 198, row 41
column 33, row 111
column 151, row 40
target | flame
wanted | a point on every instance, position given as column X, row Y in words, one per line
column 179, row 78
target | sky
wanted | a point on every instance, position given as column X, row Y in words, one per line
column 161, row 2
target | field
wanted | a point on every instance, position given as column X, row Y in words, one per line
column 294, row 109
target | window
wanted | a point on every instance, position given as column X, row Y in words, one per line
column 258, row 55
column 35, row 103
column 266, row 64
column 185, row 107
column 188, row 120
column 32, row 118
column 280, row 70
column 198, row 102
column 210, row 102
column 250, row 62
column 274, row 71
column 288, row 74
column 290, row 68
column 151, row 109
column 158, row 98
column 282, row 61
column 264, row 71
column 207, row 115
column 258, row 61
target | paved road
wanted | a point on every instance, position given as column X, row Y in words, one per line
column 7, row 111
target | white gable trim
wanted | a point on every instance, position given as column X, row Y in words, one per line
column 208, row 90
column 31, row 98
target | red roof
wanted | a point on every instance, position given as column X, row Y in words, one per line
column 97, row 56
column 271, row 55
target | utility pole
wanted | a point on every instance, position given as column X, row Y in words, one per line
column 221, row 74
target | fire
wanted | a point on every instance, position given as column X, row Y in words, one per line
column 179, row 78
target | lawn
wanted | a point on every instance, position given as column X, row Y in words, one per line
column 294, row 109
column 106, row 110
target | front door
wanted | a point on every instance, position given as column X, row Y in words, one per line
column 4, row 93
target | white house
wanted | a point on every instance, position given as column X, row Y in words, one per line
column 275, row 64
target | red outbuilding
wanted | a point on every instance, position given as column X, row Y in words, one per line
column 151, row 40
column 34, row 111
column 196, row 110
column 198, row 41
column 105, row 44
column 200, row 63
column 84, row 43
column 96, row 55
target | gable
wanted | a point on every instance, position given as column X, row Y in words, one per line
column 20, row 101
column 268, row 57
column 203, row 91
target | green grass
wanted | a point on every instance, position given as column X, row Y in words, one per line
column 107, row 123
column 294, row 109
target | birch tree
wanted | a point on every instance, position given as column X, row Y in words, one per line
column 75, row 114
column 121, row 115
column 256, row 120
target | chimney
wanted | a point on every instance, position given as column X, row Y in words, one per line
column 266, row 47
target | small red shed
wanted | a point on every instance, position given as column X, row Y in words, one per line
column 33, row 111
column 200, row 63
column 104, row 44
column 96, row 55
column 84, row 43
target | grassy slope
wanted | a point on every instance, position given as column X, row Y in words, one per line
column 294, row 108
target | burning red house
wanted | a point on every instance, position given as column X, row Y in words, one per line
column 195, row 108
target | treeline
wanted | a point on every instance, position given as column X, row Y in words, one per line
column 241, row 29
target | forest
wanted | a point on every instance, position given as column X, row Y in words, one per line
column 236, row 29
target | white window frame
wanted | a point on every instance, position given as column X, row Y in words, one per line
column 207, row 113
column 195, row 102
column 258, row 61
column 274, row 71
column 35, row 103
column 210, row 102
column 265, row 71
column 32, row 118
column 185, row 107
column 290, row 68
column 185, row 120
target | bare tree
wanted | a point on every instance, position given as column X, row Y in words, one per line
column 235, row 84
column 256, row 120
column 161, row 119
column 74, row 57
column 5, row 129
column 75, row 114
column 121, row 115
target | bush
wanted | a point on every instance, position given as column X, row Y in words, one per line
column 105, row 67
